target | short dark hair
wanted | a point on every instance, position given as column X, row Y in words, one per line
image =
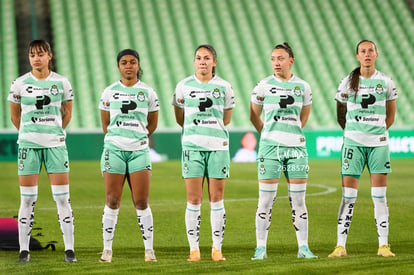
column 286, row 47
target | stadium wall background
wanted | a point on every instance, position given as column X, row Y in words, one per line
column 322, row 144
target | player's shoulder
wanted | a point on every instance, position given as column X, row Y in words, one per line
column 297, row 79
column 218, row 80
column 186, row 80
column 22, row 78
column 345, row 80
column 265, row 81
column 113, row 86
column 381, row 75
column 56, row 76
column 141, row 84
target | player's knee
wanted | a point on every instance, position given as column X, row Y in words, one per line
column 141, row 204
column 113, row 202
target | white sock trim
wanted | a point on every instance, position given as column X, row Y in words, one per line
column 110, row 211
column 217, row 206
column 28, row 191
column 267, row 187
column 378, row 192
column 193, row 207
column 297, row 187
column 349, row 193
column 60, row 190
column 145, row 212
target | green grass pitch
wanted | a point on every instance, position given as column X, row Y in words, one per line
column 168, row 203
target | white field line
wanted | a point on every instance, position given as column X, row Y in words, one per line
column 326, row 190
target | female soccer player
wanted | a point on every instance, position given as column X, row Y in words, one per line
column 41, row 108
column 286, row 102
column 366, row 104
column 203, row 106
column 129, row 113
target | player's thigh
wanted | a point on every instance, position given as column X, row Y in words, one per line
column 56, row 160
column 353, row 160
column 138, row 160
column 59, row 178
column 113, row 161
column 216, row 189
column 113, row 189
column 139, row 183
column 194, row 189
column 269, row 168
column 379, row 160
column 218, row 164
column 29, row 161
column 29, row 180
column 139, row 175
column 296, row 166
column 270, row 163
column 193, row 164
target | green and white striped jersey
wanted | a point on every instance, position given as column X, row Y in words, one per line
column 366, row 110
column 41, row 102
column 128, row 109
column 282, row 103
column 204, row 105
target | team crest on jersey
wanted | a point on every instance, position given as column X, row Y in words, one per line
column 141, row 96
column 216, row 93
column 379, row 89
column 107, row 166
column 54, row 90
column 345, row 165
column 297, row 91
column 262, row 169
column 21, row 165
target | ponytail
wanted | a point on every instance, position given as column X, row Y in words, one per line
column 354, row 79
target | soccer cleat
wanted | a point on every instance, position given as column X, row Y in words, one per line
column 259, row 253
column 150, row 256
column 216, row 255
column 194, row 256
column 24, row 256
column 305, row 253
column 385, row 251
column 106, row 256
column 70, row 256
column 339, row 251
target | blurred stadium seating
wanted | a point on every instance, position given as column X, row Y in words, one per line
column 88, row 34
column 8, row 58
